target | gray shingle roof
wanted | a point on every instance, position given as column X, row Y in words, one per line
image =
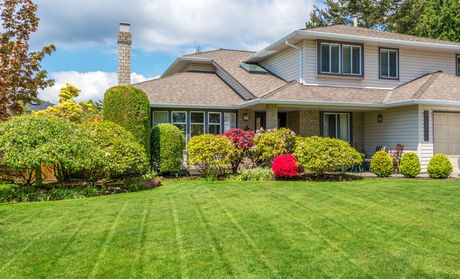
column 193, row 88
column 371, row 33
column 230, row 60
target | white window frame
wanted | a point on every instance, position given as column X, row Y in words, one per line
column 193, row 123
column 235, row 116
column 180, row 123
column 351, row 60
column 215, row 124
column 153, row 116
column 388, row 63
column 330, row 60
column 337, row 123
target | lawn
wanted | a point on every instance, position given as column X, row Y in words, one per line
column 195, row 229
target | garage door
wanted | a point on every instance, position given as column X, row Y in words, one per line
column 447, row 133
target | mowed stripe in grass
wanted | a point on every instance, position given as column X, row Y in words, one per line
column 193, row 229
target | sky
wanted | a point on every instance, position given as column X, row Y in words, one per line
column 85, row 34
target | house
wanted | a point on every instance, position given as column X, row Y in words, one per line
column 367, row 87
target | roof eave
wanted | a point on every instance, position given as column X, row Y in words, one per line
column 190, row 106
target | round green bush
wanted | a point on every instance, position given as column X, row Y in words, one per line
column 410, row 165
column 268, row 144
column 29, row 141
column 116, row 153
column 320, row 155
column 382, row 164
column 167, row 143
column 439, row 166
column 129, row 107
column 213, row 154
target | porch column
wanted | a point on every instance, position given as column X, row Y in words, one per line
column 272, row 116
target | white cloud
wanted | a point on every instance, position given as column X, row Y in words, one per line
column 171, row 25
column 92, row 84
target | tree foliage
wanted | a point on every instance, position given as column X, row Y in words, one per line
column 68, row 108
column 21, row 75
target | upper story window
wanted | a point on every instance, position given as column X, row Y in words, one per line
column 458, row 65
column 389, row 63
column 340, row 59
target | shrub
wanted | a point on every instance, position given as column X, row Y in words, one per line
column 29, row 141
column 382, row 164
column 271, row 143
column 285, row 166
column 320, row 155
column 130, row 108
column 211, row 153
column 116, row 153
column 243, row 141
column 256, row 174
column 439, row 166
column 167, row 143
column 410, row 165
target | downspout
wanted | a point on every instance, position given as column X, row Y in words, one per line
column 300, row 59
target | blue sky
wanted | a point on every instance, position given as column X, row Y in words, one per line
column 85, row 34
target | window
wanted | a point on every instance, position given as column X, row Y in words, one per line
column 196, row 123
column 340, row 59
column 179, row 119
column 214, row 123
column 389, row 60
column 351, row 57
column 330, row 58
column 458, row 65
column 160, row 117
column 337, row 125
column 229, row 121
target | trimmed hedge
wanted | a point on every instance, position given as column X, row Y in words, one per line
column 130, row 108
column 382, row 164
column 320, row 155
column 272, row 142
column 167, row 144
column 439, row 166
column 410, row 165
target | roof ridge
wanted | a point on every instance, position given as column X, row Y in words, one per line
column 170, row 76
column 419, row 93
column 270, row 93
column 219, row 49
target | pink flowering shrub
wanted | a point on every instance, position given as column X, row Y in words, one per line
column 243, row 141
column 285, row 166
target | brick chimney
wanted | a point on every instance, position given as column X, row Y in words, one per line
column 124, row 54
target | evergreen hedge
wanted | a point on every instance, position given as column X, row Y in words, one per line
column 167, row 144
column 129, row 107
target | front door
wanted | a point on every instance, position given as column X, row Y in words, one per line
column 260, row 120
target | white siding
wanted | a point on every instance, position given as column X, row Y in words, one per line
column 413, row 64
column 400, row 126
column 285, row 64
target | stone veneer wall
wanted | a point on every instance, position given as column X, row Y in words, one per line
column 309, row 123
column 246, row 124
column 124, row 58
column 271, row 116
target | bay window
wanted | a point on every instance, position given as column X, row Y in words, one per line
column 337, row 125
column 196, row 123
column 389, row 60
column 214, row 123
column 179, row 119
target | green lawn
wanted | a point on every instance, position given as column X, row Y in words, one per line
column 368, row 228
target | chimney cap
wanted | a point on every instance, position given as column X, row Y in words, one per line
column 125, row 27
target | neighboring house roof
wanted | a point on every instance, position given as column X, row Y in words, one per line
column 188, row 89
column 40, row 105
column 230, row 61
column 434, row 86
column 296, row 91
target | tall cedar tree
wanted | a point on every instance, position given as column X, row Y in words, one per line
column 21, row 75
column 437, row 19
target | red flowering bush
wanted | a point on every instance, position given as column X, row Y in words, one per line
column 285, row 166
column 243, row 142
